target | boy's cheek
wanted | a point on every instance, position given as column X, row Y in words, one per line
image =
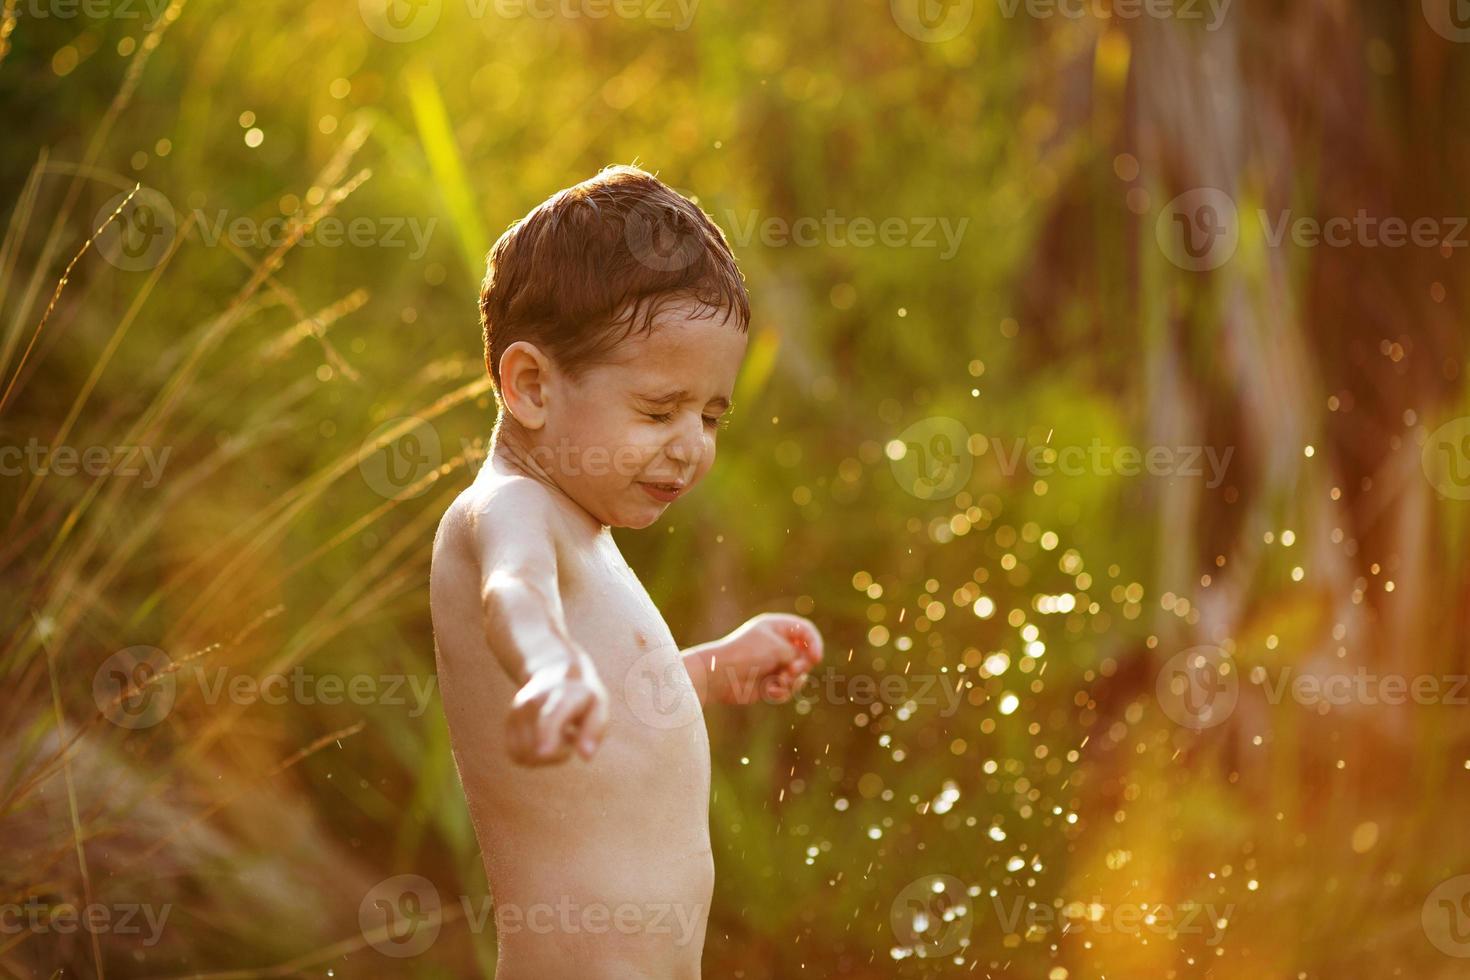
column 616, row 459
column 628, row 460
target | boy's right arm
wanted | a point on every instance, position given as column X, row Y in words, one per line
column 560, row 704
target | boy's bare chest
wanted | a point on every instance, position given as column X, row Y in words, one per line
column 608, row 609
column 612, row 617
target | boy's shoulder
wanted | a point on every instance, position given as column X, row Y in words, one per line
column 503, row 504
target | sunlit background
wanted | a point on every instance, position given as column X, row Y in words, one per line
column 1124, row 499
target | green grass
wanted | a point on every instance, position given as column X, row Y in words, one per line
column 269, row 373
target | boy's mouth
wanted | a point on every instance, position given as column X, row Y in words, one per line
column 663, row 492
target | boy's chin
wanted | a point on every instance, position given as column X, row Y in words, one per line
column 646, row 518
column 640, row 514
column 633, row 508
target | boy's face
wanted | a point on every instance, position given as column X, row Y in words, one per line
column 637, row 431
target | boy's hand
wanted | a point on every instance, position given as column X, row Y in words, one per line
column 560, row 708
column 766, row 659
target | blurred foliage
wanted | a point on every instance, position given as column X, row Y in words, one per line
column 268, row 370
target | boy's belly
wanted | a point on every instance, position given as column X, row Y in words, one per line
column 634, row 818
column 607, row 862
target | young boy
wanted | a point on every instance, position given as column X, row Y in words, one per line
column 615, row 322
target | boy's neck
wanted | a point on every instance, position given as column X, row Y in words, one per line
column 515, row 451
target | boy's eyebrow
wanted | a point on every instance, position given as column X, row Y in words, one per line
column 719, row 402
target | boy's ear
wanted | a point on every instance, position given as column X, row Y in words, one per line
column 525, row 373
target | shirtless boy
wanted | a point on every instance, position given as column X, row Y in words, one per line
column 615, row 323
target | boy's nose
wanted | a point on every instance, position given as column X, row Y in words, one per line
column 682, row 452
column 687, row 446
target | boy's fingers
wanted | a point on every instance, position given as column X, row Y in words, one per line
column 811, row 641
column 586, row 722
column 583, row 723
column 545, row 731
column 552, row 734
column 555, row 752
column 588, row 742
column 805, row 641
column 795, row 673
column 528, row 750
column 783, row 687
column 521, row 738
column 594, row 730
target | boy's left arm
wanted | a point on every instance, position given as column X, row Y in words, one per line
column 766, row 658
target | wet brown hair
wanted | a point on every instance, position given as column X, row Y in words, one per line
column 597, row 261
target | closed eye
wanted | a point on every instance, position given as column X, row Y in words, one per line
column 710, row 421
